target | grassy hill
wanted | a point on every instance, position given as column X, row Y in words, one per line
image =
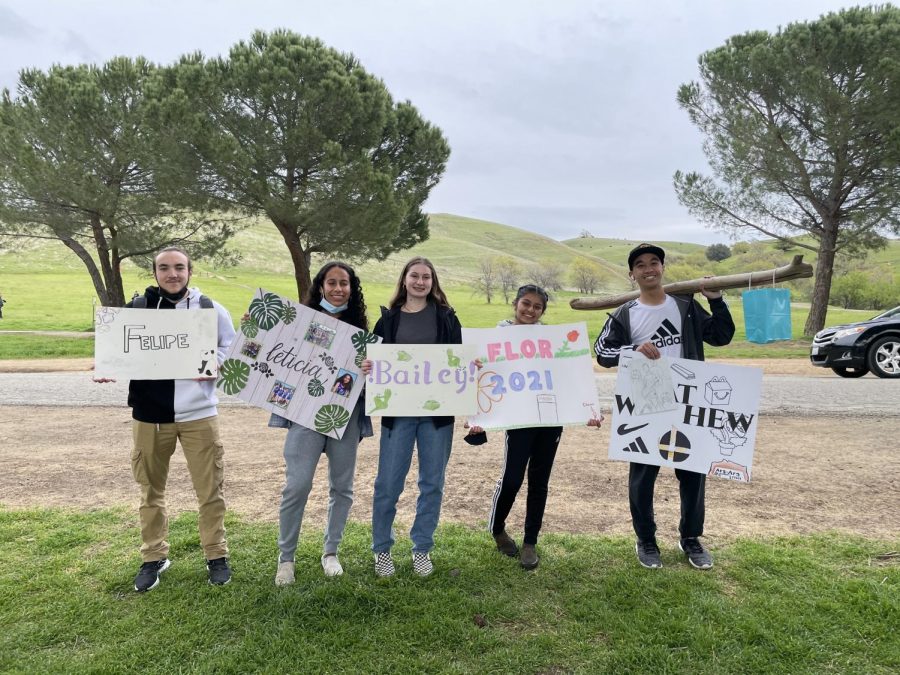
column 47, row 288
column 456, row 246
column 616, row 250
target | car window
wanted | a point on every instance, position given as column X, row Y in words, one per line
column 888, row 314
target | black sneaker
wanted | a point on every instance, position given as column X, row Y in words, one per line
column 648, row 553
column 696, row 554
column 506, row 545
column 529, row 558
column 218, row 571
column 148, row 577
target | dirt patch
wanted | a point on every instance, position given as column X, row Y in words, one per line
column 811, row 475
column 45, row 365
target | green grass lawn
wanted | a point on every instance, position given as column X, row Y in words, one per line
column 788, row 605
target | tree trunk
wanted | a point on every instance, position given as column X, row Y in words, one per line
column 106, row 266
column 300, row 257
column 818, row 307
column 99, row 287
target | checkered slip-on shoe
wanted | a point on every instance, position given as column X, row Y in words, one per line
column 384, row 564
column 422, row 564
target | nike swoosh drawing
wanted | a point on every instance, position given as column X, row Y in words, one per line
column 624, row 429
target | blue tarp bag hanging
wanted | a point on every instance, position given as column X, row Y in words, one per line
column 767, row 314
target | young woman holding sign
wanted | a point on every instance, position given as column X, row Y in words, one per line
column 532, row 449
column 418, row 314
column 335, row 291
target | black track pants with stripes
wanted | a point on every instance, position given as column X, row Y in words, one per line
column 534, row 450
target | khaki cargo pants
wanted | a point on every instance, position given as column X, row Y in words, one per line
column 154, row 445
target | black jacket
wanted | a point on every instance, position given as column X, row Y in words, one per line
column 697, row 327
column 449, row 332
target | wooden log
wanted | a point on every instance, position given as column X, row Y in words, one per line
column 796, row 269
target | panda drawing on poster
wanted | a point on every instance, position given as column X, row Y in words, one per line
column 710, row 426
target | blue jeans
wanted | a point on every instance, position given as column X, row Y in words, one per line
column 394, row 458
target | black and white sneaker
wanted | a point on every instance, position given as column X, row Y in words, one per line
column 696, row 553
column 422, row 564
column 148, row 577
column 384, row 564
column 648, row 553
column 218, row 572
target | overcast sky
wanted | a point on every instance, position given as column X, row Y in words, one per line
column 561, row 115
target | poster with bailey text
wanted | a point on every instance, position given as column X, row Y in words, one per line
column 137, row 344
column 534, row 376
column 421, row 380
column 297, row 362
column 712, row 428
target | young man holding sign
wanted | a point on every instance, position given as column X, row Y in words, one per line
column 166, row 411
column 656, row 325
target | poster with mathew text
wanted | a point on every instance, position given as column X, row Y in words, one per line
column 297, row 362
column 421, row 380
column 712, row 429
column 137, row 344
column 534, row 376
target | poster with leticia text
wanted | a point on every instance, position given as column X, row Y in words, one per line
column 534, row 376
column 297, row 362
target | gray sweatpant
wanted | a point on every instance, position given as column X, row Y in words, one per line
column 302, row 449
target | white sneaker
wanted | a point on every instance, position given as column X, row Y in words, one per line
column 285, row 574
column 422, row 564
column 384, row 564
column 332, row 565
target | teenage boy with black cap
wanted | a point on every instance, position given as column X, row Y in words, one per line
column 657, row 324
column 164, row 411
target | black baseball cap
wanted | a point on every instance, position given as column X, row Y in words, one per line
column 641, row 249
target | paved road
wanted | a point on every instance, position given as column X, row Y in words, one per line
column 782, row 394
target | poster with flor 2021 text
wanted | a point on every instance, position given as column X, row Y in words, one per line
column 297, row 362
column 711, row 428
column 421, row 380
column 138, row 344
column 534, row 376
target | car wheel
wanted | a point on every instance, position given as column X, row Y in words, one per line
column 849, row 372
column 884, row 356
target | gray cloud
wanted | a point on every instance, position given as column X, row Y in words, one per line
column 77, row 45
column 14, row 26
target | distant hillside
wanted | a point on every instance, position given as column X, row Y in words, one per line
column 616, row 250
column 456, row 246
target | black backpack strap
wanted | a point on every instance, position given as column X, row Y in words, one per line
column 139, row 302
column 206, row 303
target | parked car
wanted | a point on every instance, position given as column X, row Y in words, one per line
column 855, row 349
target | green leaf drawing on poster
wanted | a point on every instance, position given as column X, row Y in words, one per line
column 233, row 376
column 288, row 314
column 249, row 327
column 360, row 357
column 361, row 339
column 404, row 356
column 331, row 417
column 381, row 401
column 315, row 387
column 266, row 311
column 431, row 404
